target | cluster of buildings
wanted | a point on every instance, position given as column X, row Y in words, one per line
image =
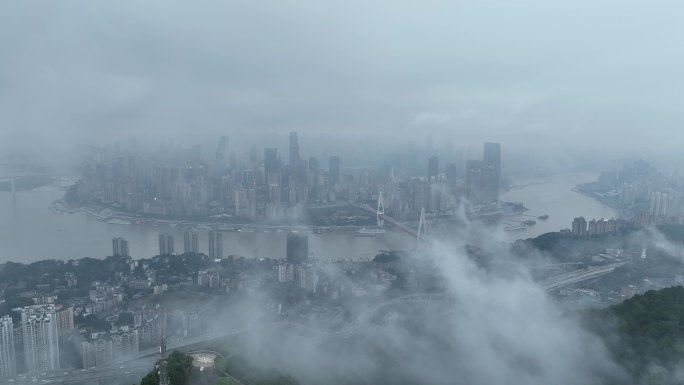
column 146, row 330
column 272, row 187
column 167, row 244
column 581, row 227
column 118, row 316
column 483, row 176
column 441, row 192
column 182, row 183
column 297, row 267
column 32, row 344
column 645, row 196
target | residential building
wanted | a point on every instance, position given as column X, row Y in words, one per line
column 41, row 338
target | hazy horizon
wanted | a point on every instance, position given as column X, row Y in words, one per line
column 572, row 75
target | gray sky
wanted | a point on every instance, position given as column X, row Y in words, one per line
column 515, row 71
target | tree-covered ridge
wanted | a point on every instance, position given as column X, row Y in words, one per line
column 248, row 374
column 650, row 329
column 234, row 365
column 655, row 318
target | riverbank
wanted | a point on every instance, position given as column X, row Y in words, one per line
column 584, row 190
column 558, row 198
column 29, row 231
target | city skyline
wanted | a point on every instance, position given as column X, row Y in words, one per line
column 341, row 193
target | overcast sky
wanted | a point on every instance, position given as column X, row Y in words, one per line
column 540, row 71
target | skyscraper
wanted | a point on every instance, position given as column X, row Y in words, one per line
column 314, row 169
column 492, row 162
column 220, row 157
column 270, row 165
column 8, row 364
column 433, row 167
column 190, row 242
column 452, row 174
column 334, row 173
column 215, row 245
column 40, row 335
column 165, row 244
column 474, row 181
column 295, row 162
column 297, row 248
column 119, row 247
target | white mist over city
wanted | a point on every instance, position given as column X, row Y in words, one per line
column 317, row 193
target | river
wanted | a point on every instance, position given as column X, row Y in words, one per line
column 29, row 231
column 556, row 197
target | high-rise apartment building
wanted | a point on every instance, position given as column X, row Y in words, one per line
column 166, row 244
column 190, row 242
column 119, row 247
column 41, row 338
column 215, row 245
column 8, row 364
column 65, row 320
column 579, row 227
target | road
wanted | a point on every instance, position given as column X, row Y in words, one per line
column 573, row 277
column 130, row 373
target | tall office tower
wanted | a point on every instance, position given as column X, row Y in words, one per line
column 492, row 161
column 295, row 163
column 312, row 178
column 215, row 245
column 165, row 244
column 452, row 174
column 314, row 166
column 190, row 242
column 270, row 165
column 474, row 181
column 8, row 364
column 41, row 338
column 297, row 248
column 120, row 247
column 433, row 167
column 334, row 173
column 220, row 157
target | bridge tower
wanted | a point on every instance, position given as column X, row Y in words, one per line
column 163, row 365
column 381, row 210
column 422, row 228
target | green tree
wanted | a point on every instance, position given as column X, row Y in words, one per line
column 150, row 379
column 124, row 318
